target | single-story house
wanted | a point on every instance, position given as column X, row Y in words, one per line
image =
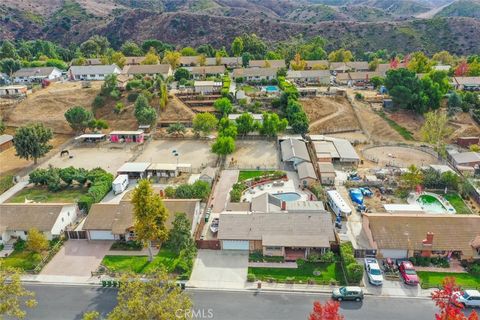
column 137, row 136
column 276, row 64
column 152, row 70
column 402, row 235
column 362, row 78
column 314, row 64
column 207, row 87
column 294, row 151
column 6, row 142
column 208, row 174
column 291, row 235
column 49, row 218
column 92, row 72
column 464, row 159
column 207, row 71
column 339, row 150
column 228, row 62
column 317, row 77
column 382, row 68
column 93, row 62
column 189, row 61
column 13, row 91
column 27, row 75
column 306, row 173
column 115, row 221
column 132, row 61
column 255, row 74
column 135, row 170
column 257, row 117
column 467, row 83
column 327, row 173
column 268, row 203
column 353, row 66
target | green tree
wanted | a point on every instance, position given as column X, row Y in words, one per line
column 419, row 63
column 442, row 79
column 454, row 104
column 8, row 50
column 10, row 66
column 180, row 235
column 157, row 298
column 36, row 241
column 377, row 81
column 131, row 49
column 224, row 106
column 31, row 141
column 90, row 49
column 151, row 57
column 340, row 55
column 13, row 296
column 172, row 58
column 78, row 118
column 182, row 73
column 245, row 124
column 188, row 52
column 435, row 131
column 204, row 123
column 227, row 128
column 444, row 57
column 207, row 50
column 299, row 122
column 412, row 178
column 158, row 45
column 272, row 124
column 143, row 112
column 246, row 57
column 97, row 124
column 223, row 146
column 114, row 57
column 237, row 47
column 176, row 129
column 254, row 45
column 150, row 215
column 91, row 315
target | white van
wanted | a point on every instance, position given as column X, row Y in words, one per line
column 469, row 298
column 120, row 184
column 338, row 204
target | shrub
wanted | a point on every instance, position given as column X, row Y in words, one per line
column 359, row 96
column 327, row 257
column 474, row 269
column 236, row 192
column 132, row 96
column 170, row 192
column 354, row 272
column 119, row 108
column 251, row 277
column 134, row 84
column 20, row 245
column 98, row 102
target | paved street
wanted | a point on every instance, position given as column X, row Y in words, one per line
column 69, row 302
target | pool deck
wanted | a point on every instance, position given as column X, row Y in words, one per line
column 288, row 187
column 413, row 197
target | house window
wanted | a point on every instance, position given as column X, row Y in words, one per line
column 273, row 248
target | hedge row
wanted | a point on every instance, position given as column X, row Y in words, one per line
column 354, row 270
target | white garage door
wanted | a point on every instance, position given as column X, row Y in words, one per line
column 394, row 254
column 101, row 235
column 235, row 245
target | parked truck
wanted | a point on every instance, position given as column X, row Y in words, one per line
column 120, row 184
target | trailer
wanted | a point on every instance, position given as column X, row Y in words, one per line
column 120, row 184
column 338, row 205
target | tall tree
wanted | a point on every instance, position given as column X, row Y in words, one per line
column 13, row 296
column 298, row 63
column 412, row 178
column 78, row 118
column 150, row 215
column 223, row 145
column 188, row 52
column 204, row 123
column 435, row 130
column 340, row 55
column 151, row 57
column 180, row 235
column 454, row 104
column 114, row 57
column 8, row 50
column 10, row 66
column 444, row 57
column 36, row 241
column 245, row 123
column 237, row 47
column 254, row 45
column 462, row 69
column 328, row 311
column 131, row 49
column 419, row 63
column 224, row 106
column 172, row 58
column 272, row 124
column 227, row 128
column 31, row 141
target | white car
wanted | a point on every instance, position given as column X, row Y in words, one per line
column 469, row 298
column 374, row 273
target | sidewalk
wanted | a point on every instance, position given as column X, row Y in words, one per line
column 17, row 187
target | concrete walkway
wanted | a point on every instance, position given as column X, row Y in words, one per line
column 17, row 187
column 221, row 194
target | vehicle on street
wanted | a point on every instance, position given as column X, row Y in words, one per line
column 408, row 273
column 348, row 293
column 469, row 298
column 374, row 273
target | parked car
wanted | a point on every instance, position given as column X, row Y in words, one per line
column 348, row 293
column 374, row 273
column 408, row 273
column 469, row 298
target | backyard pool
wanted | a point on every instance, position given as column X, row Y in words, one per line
column 288, row 196
column 271, row 89
column 430, row 203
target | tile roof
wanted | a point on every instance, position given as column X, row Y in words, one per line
column 208, row 70
column 306, row 170
column 294, row 148
column 34, row 72
column 23, row 216
column 263, row 64
column 254, row 72
column 94, row 69
column 147, row 69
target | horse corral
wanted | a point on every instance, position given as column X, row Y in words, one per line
column 399, row 156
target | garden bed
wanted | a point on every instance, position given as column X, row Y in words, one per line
column 126, row 246
column 258, row 257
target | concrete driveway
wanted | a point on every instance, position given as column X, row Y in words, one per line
column 220, row 269
column 77, row 258
column 221, row 194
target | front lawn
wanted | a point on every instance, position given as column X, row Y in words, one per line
column 6, row 182
column 434, row 279
column 21, row 259
column 457, row 202
column 250, row 174
column 249, row 89
column 329, row 272
column 42, row 194
column 140, row 264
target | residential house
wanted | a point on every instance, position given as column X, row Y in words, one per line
column 189, row 61
column 464, row 161
column 269, row 203
column 382, row 68
column 327, row 173
column 208, row 174
column 13, row 91
column 440, row 67
column 306, row 173
column 254, row 74
column 310, row 77
column 115, row 221
column 336, row 149
column 49, row 218
column 134, row 61
column 402, row 235
column 207, row 71
column 207, row 87
column 275, row 64
column 228, row 62
column 466, row 83
column 6, row 142
column 291, row 235
column 136, row 136
column 362, row 78
column 152, row 70
column 294, row 152
column 92, row 72
column 29, row 75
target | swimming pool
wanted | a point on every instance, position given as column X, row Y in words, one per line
column 271, row 88
column 287, row 196
column 431, row 204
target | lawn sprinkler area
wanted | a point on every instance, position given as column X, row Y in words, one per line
column 431, row 202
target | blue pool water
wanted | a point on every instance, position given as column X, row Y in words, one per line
column 288, row 196
column 271, row 88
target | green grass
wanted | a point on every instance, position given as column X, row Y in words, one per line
column 434, row 279
column 140, row 264
column 245, row 175
column 41, row 194
column 407, row 135
column 249, row 89
column 304, row 272
column 6, row 182
column 457, row 202
column 23, row 260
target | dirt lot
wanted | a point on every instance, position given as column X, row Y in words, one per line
column 330, row 114
column 49, row 105
column 253, row 154
column 399, row 156
column 176, row 110
column 464, row 126
column 110, row 158
column 195, row 152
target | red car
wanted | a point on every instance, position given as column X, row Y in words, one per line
column 407, row 271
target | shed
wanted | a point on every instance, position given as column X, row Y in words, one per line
column 127, row 136
column 134, row 170
column 306, row 173
column 6, row 142
column 92, row 137
column 327, row 173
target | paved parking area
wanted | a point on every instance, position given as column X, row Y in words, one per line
column 77, row 258
column 391, row 288
column 220, row 269
column 250, row 154
column 195, row 152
